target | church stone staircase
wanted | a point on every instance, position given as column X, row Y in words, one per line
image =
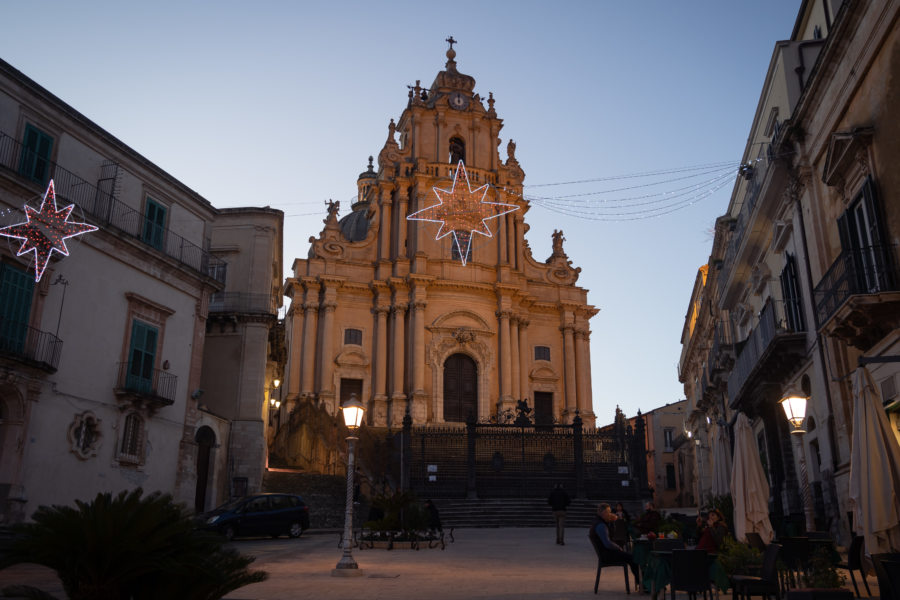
column 326, row 494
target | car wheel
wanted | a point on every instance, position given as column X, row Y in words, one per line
column 295, row 530
column 229, row 532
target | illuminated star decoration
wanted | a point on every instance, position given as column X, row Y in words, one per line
column 462, row 211
column 45, row 231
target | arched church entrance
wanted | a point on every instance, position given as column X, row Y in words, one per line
column 460, row 388
column 206, row 439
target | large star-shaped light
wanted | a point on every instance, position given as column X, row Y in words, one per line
column 45, row 231
column 462, row 211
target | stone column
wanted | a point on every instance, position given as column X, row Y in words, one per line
column 294, row 369
column 380, row 355
column 326, row 356
column 419, row 408
column 588, row 415
column 506, row 399
column 568, row 332
column 510, row 227
column 520, row 237
column 384, row 234
column 310, row 336
column 524, row 357
column 514, row 359
column 398, row 398
column 581, row 371
column 402, row 200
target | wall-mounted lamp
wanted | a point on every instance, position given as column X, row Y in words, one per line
column 794, row 405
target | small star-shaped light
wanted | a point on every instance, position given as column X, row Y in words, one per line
column 462, row 211
column 45, row 231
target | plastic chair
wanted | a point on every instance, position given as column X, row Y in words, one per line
column 606, row 563
column 887, row 569
column 746, row 586
column 854, row 563
column 690, row 572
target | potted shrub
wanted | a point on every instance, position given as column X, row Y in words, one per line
column 822, row 580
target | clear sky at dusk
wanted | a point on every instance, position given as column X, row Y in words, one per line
column 281, row 103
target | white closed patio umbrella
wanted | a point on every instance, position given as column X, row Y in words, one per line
column 721, row 476
column 749, row 487
column 874, row 469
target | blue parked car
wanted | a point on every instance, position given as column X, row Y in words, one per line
column 258, row 515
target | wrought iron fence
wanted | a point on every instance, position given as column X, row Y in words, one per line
column 866, row 270
column 30, row 345
column 489, row 460
column 154, row 384
column 107, row 211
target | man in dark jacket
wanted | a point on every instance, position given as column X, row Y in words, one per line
column 609, row 550
column 558, row 501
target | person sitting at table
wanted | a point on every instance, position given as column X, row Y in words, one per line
column 609, row 550
column 713, row 532
column 622, row 513
column 649, row 521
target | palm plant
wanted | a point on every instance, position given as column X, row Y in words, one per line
column 131, row 546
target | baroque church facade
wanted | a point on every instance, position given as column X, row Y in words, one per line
column 384, row 310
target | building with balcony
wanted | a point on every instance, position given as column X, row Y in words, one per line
column 408, row 320
column 243, row 358
column 101, row 357
column 802, row 278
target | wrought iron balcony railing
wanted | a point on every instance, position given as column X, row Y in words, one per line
column 30, row 345
column 868, row 270
column 242, row 302
column 154, row 385
column 773, row 327
column 106, row 210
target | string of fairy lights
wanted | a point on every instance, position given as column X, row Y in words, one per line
column 644, row 195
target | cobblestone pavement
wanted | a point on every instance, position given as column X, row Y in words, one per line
column 495, row 564
column 485, row 564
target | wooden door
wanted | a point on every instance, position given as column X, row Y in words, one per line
column 460, row 388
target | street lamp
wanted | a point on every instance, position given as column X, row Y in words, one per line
column 352, row 411
column 794, row 405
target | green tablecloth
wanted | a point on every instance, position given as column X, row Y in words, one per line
column 657, row 573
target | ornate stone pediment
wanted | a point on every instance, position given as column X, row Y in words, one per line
column 845, row 150
column 352, row 357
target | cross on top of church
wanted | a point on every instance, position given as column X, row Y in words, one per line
column 451, row 41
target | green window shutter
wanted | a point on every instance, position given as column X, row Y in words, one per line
column 154, row 224
column 141, row 357
column 36, row 149
column 16, row 292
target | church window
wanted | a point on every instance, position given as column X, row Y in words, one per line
column 351, row 387
column 542, row 353
column 464, row 241
column 353, row 336
column 457, row 150
column 132, row 434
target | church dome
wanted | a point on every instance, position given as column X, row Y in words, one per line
column 355, row 225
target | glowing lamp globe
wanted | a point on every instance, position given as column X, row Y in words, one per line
column 794, row 406
column 353, row 411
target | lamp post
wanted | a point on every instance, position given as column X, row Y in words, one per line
column 794, row 405
column 352, row 411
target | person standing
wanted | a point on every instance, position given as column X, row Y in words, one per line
column 559, row 500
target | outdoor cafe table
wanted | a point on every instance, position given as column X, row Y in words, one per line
column 658, row 573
